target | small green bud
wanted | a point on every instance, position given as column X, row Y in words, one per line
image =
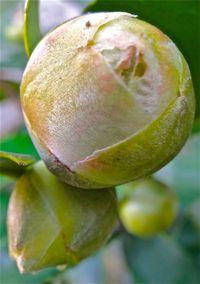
column 51, row 223
column 107, row 99
column 148, row 207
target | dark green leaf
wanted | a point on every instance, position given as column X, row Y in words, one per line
column 13, row 164
column 196, row 126
column 159, row 260
column 179, row 19
column 194, row 215
column 32, row 33
column 187, row 234
column 4, row 198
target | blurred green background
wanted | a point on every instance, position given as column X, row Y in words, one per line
column 170, row 258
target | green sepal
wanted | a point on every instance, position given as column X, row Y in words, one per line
column 51, row 223
column 13, row 164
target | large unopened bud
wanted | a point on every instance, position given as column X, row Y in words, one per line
column 107, row 98
column 51, row 223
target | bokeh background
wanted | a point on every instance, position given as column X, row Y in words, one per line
column 169, row 258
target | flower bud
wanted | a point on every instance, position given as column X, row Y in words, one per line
column 107, row 99
column 148, row 207
column 50, row 223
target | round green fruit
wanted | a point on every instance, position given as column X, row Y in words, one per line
column 51, row 223
column 148, row 207
column 107, row 99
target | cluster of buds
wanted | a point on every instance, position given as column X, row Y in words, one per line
column 107, row 99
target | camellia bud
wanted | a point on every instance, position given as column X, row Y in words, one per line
column 51, row 223
column 107, row 99
column 148, row 207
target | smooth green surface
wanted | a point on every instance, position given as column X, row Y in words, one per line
column 194, row 214
column 179, row 19
column 9, row 273
column 182, row 174
column 148, row 207
column 14, row 165
column 187, row 231
column 160, row 259
column 145, row 152
column 51, row 223
column 19, row 142
column 196, row 126
column 32, row 33
column 4, row 199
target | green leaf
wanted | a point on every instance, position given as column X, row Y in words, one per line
column 4, row 198
column 196, row 126
column 182, row 173
column 187, row 230
column 32, row 34
column 159, row 260
column 13, row 164
column 178, row 19
column 194, row 214
column 19, row 142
